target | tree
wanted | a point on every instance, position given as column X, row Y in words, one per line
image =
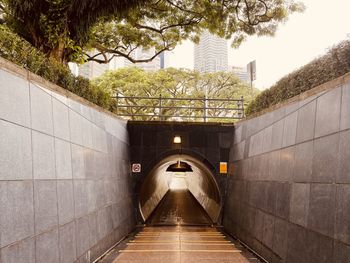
column 68, row 29
column 60, row 28
column 173, row 83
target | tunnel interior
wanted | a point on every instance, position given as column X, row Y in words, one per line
column 180, row 197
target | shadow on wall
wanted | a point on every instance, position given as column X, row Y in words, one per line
column 200, row 183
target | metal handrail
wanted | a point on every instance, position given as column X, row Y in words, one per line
column 179, row 116
column 232, row 113
column 187, row 99
column 177, row 107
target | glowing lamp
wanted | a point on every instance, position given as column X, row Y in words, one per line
column 177, row 139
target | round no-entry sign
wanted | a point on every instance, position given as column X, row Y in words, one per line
column 136, row 168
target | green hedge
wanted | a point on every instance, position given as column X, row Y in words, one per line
column 22, row 53
column 328, row 67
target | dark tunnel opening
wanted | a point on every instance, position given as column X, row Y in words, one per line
column 185, row 198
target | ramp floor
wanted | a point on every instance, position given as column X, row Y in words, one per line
column 180, row 244
column 179, row 207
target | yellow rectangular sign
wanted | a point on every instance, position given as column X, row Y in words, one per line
column 223, row 167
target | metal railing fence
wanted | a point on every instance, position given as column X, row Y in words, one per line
column 179, row 109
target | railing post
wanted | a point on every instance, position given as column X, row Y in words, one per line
column 117, row 102
column 160, row 108
column 240, row 108
column 205, row 106
column 242, row 101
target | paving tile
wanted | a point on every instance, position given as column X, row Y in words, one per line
column 342, row 213
column 14, row 94
column 65, row 199
column 268, row 230
column 290, row 129
column 341, row 252
column 41, row 110
column 325, row 165
column 43, row 156
column 22, row 252
column 306, row 122
column 17, row 211
column 15, row 152
column 277, row 135
column 298, row 250
column 274, row 165
column 322, row 208
column 299, row 204
column 283, row 199
column 328, row 113
column 60, row 120
column 82, row 235
column 320, row 248
column 76, row 127
column 344, row 155
column 287, row 157
column 78, row 166
column 267, row 139
column 345, row 108
column 63, row 158
column 67, row 243
column 303, row 162
column 45, row 201
column 280, row 238
column 80, row 198
column 46, row 247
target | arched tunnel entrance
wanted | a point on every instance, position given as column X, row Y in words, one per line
column 185, row 198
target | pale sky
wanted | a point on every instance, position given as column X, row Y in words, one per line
column 302, row 38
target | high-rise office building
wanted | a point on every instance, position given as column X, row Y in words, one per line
column 240, row 72
column 211, row 54
column 141, row 54
column 93, row 69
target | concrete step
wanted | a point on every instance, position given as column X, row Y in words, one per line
column 180, row 244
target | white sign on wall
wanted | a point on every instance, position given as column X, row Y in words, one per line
column 136, row 168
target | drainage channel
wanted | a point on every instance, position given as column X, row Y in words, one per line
column 180, row 244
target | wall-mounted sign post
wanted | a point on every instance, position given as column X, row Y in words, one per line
column 223, row 167
column 136, row 168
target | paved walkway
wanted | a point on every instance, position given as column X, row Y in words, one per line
column 169, row 238
column 179, row 207
column 181, row 245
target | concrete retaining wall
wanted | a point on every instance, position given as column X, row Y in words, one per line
column 64, row 177
column 289, row 180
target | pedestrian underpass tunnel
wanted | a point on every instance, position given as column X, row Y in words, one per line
column 180, row 197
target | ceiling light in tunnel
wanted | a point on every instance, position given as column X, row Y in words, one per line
column 177, row 139
column 179, row 167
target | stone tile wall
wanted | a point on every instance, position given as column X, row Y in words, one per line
column 65, row 192
column 289, row 180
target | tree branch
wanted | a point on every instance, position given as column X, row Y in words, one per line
column 117, row 53
column 181, row 8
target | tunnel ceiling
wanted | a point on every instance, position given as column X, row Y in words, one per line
column 200, row 183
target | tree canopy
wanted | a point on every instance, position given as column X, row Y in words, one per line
column 60, row 28
column 174, row 83
column 68, row 29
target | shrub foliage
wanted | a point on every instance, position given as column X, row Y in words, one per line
column 22, row 53
column 328, row 67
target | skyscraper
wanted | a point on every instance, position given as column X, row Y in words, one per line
column 240, row 72
column 93, row 69
column 211, row 54
column 141, row 53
